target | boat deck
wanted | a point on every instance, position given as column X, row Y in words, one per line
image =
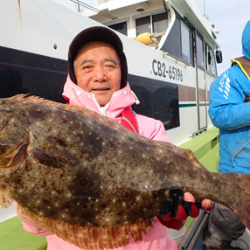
column 13, row 237
column 206, row 148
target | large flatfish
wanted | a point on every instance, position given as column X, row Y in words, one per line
column 91, row 181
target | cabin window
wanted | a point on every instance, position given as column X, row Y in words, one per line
column 186, row 42
column 215, row 65
column 179, row 41
column 199, row 49
column 120, row 27
column 143, row 25
column 173, row 42
column 159, row 24
column 210, row 62
column 158, row 99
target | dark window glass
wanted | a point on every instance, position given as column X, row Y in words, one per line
column 160, row 23
column 207, row 58
column 143, row 25
column 210, row 62
column 120, row 27
column 23, row 72
column 10, row 82
column 172, row 44
column 165, row 105
column 215, row 65
column 186, row 38
column 200, row 55
column 158, row 100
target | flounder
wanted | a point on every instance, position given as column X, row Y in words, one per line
column 91, row 181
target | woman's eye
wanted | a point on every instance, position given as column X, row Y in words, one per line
column 87, row 68
column 110, row 66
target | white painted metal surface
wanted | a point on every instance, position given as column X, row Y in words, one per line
column 6, row 214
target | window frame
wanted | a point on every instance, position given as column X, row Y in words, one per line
column 189, row 62
column 209, row 71
column 150, row 25
column 150, row 15
column 118, row 24
column 198, row 35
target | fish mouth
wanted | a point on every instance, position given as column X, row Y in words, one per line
column 12, row 157
column 18, row 156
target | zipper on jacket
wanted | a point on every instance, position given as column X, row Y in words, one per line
column 239, row 152
column 102, row 109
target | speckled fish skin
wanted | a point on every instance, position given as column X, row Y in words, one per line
column 69, row 164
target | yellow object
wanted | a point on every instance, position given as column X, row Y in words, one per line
column 146, row 38
column 242, row 69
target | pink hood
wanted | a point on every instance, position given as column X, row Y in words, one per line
column 125, row 97
column 120, row 99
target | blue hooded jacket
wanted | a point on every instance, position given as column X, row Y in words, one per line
column 230, row 111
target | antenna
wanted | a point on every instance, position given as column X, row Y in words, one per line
column 79, row 8
column 204, row 5
column 93, row 9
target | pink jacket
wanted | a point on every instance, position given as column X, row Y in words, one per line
column 157, row 238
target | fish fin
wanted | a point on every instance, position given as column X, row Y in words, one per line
column 18, row 97
column 5, row 198
column 49, row 159
column 242, row 204
column 79, row 110
column 96, row 238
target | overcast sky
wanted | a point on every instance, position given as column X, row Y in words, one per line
column 228, row 16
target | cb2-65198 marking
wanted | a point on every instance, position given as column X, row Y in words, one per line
column 172, row 72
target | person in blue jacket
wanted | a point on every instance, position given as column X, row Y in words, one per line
column 229, row 110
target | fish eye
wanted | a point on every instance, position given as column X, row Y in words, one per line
column 83, row 182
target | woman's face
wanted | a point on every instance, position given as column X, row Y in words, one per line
column 98, row 70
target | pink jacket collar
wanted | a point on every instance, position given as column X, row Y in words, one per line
column 120, row 99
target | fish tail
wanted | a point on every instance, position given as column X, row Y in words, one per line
column 242, row 205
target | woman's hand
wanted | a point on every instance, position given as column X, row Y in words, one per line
column 206, row 204
column 179, row 206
